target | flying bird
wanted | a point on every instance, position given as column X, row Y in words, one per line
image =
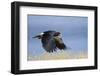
column 51, row 41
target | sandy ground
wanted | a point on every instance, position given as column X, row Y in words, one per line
column 58, row 55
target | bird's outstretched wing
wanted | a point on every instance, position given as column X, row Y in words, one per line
column 59, row 43
column 49, row 44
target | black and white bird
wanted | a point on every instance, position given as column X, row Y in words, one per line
column 51, row 41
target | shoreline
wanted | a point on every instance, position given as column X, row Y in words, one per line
column 58, row 56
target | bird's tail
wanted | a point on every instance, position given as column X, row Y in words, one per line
column 64, row 47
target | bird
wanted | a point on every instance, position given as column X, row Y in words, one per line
column 51, row 41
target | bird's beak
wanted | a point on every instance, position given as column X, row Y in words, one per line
column 38, row 36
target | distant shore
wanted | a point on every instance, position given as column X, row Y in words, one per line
column 58, row 55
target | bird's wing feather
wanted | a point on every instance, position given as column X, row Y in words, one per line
column 49, row 44
column 59, row 43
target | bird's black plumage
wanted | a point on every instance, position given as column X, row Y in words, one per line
column 51, row 41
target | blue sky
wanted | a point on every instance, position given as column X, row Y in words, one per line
column 74, row 31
